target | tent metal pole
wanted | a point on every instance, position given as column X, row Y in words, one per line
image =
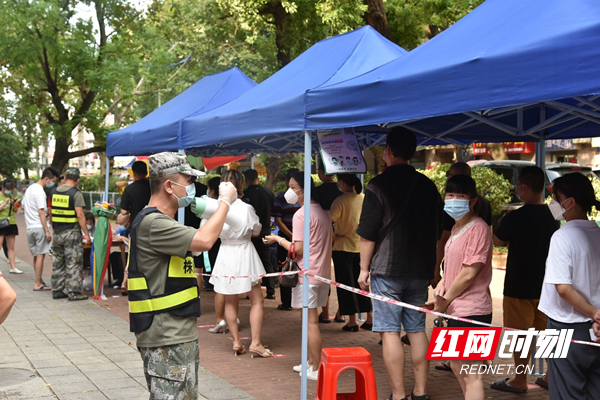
column 106, row 179
column 540, row 147
column 181, row 211
column 252, row 162
column 306, row 260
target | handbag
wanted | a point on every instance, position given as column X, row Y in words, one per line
column 289, row 281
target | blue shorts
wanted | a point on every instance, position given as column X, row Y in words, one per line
column 390, row 317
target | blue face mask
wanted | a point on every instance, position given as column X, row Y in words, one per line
column 456, row 208
column 50, row 185
column 8, row 192
column 190, row 190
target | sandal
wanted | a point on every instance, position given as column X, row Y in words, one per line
column 501, row 384
column 266, row 354
column 541, row 382
column 239, row 350
column 323, row 320
column 443, row 366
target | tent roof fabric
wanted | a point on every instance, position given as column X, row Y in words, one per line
column 276, row 106
column 481, row 71
column 161, row 129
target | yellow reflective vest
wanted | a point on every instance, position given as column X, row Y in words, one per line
column 63, row 209
column 180, row 296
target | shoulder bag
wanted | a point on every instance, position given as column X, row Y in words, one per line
column 289, row 281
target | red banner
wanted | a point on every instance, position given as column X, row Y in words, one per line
column 479, row 149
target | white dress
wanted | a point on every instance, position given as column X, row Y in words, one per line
column 237, row 256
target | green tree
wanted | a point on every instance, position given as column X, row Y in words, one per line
column 491, row 185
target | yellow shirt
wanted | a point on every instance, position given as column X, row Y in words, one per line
column 345, row 214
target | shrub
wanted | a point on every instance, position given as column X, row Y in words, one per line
column 492, row 186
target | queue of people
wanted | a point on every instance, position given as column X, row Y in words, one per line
column 396, row 240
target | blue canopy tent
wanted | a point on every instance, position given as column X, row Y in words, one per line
column 511, row 70
column 161, row 129
column 270, row 118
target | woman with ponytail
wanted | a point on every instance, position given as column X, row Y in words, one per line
column 570, row 296
column 345, row 214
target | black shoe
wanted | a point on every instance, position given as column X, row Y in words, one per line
column 76, row 296
column 366, row 327
column 323, row 320
column 404, row 339
column 284, row 308
column 350, row 328
column 270, row 296
column 59, row 295
column 421, row 397
column 405, row 398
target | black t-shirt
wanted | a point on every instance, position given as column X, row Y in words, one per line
column 262, row 200
column 528, row 231
column 409, row 249
column 485, row 213
column 135, row 197
column 190, row 218
column 327, row 193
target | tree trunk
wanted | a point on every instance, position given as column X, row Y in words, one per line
column 378, row 158
column 497, row 151
column 273, row 165
column 280, row 16
column 377, row 18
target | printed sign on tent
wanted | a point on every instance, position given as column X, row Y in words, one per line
column 340, row 151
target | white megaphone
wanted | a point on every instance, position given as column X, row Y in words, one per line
column 205, row 207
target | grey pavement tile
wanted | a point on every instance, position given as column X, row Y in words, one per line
column 79, row 361
column 50, row 355
column 117, row 383
column 31, row 389
column 41, row 348
column 60, row 362
column 55, row 371
column 85, row 368
column 88, row 395
column 17, row 365
column 104, row 375
column 225, row 394
column 134, row 364
column 70, row 378
column 126, row 393
column 78, row 387
column 119, row 358
column 9, row 359
column 78, row 341
column 82, row 353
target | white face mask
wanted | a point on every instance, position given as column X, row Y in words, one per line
column 89, row 227
column 557, row 209
column 290, row 196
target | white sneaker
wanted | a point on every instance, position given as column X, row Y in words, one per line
column 298, row 368
column 15, row 271
column 311, row 374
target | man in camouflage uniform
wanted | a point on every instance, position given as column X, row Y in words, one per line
column 169, row 346
column 68, row 221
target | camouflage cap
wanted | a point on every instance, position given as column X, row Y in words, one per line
column 72, row 171
column 167, row 163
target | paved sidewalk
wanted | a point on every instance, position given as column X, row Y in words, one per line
column 75, row 350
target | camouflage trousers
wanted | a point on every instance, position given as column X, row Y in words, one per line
column 67, row 260
column 172, row 371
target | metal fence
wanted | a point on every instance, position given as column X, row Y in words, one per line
column 92, row 197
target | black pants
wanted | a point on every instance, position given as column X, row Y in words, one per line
column 347, row 271
column 578, row 375
column 116, row 266
column 264, row 253
column 284, row 292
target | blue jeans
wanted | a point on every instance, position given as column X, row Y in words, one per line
column 390, row 317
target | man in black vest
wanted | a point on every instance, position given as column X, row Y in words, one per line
column 162, row 286
column 68, row 221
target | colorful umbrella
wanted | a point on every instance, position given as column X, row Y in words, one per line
column 101, row 245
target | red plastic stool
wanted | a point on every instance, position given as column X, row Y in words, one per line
column 336, row 360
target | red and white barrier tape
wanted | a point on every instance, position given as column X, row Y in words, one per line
column 385, row 299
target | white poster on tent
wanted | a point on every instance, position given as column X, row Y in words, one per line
column 340, row 151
